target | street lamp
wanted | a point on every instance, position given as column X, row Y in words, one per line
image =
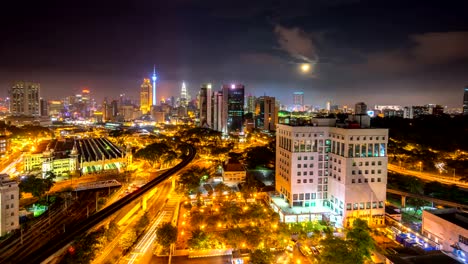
column 420, row 166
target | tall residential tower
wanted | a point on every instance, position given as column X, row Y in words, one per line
column 25, row 97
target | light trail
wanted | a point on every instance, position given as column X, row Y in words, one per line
column 149, row 237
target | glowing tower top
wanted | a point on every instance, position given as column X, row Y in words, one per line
column 154, row 78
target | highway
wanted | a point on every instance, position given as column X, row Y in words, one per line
column 146, row 242
column 81, row 228
column 427, row 176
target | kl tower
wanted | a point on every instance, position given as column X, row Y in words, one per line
column 154, row 78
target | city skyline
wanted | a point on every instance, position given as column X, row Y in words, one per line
column 349, row 45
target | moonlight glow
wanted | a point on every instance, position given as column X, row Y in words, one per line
column 305, row 67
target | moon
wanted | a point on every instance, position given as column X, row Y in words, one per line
column 305, row 67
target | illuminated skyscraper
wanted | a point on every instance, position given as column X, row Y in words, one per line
column 183, row 95
column 146, row 96
column 154, row 78
column 250, row 108
column 265, row 113
column 25, row 99
column 298, row 100
column 233, row 108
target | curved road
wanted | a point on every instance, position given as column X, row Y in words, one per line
column 53, row 246
column 427, row 176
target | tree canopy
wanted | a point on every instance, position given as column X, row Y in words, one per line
column 261, row 256
column 166, row 234
column 153, row 153
column 354, row 250
column 36, row 185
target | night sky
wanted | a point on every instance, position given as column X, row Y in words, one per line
column 381, row 52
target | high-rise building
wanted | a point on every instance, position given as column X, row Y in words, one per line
column 154, row 99
column 218, row 110
column 233, row 108
column 328, row 106
column 205, row 106
column 146, row 96
column 330, row 171
column 266, row 113
column 24, row 98
column 360, row 109
column 9, row 204
column 183, row 101
column 250, row 107
column 465, row 101
column 44, row 107
column 298, row 98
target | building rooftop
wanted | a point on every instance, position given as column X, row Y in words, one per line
column 454, row 216
column 234, row 165
column 5, row 179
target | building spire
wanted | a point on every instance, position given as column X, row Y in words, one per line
column 154, row 78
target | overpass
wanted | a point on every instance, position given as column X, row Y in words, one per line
column 426, row 198
column 81, row 228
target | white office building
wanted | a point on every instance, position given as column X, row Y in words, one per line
column 9, row 205
column 332, row 171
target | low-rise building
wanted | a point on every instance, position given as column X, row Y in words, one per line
column 448, row 227
column 87, row 155
column 233, row 173
column 9, row 205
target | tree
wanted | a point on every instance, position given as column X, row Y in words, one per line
column 166, row 234
column 36, row 186
column 200, row 240
column 127, row 240
column 360, row 240
column 191, row 178
column 153, row 153
column 336, row 250
column 259, row 156
column 261, row 256
column 142, row 223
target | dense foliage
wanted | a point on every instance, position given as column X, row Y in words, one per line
column 355, row 249
column 166, row 234
column 37, row 186
column 438, row 132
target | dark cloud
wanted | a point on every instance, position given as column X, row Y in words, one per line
column 423, row 52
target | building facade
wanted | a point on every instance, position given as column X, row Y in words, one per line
column 333, row 171
column 233, row 173
column 266, row 114
column 9, row 205
column 85, row 156
column 146, row 96
column 233, row 108
column 25, row 99
column 298, row 101
column 205, row 108
column 448, row 227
